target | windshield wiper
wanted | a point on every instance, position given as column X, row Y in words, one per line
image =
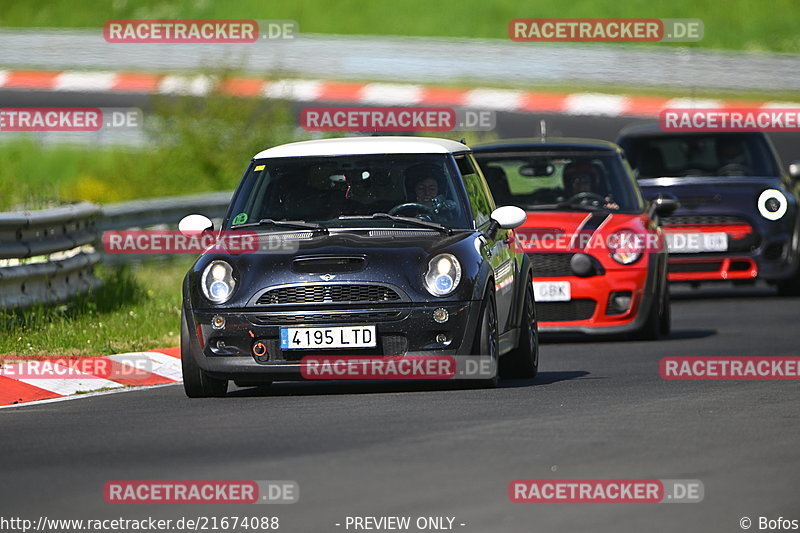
column 408, row 220
column 294, row 224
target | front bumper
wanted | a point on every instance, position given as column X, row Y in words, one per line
column 407, row 329
column 589, row 310
column 751, row 255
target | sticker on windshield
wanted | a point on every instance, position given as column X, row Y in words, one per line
column 241, row 218
column 259, row 168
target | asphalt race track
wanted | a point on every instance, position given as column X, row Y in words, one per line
column 597, row 410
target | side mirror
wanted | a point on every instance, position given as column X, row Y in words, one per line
column 794, row 170
column 663, row 207
column 195, row 225
column 506, row 217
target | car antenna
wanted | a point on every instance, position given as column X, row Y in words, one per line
column 463, row 140
column 543, row 130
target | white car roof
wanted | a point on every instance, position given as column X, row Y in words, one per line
column 364, row 146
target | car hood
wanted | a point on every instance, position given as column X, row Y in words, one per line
column 710, row 194
column 394, row 257
column 560, row 227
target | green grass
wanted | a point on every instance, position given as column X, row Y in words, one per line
column 733, row 24
column 138, row 308
column 196, row 146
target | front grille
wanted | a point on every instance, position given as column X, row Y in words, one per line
column 547, row 264
column 740, row 266
column 322, row 294
column 707, row 266
column 698, row 220
column 319, row 318
column 579, row 309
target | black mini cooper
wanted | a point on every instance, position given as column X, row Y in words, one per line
column 370, row 246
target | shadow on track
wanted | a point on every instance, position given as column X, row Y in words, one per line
column 544, row 378
column 582, row 338
column 722, row 291
column 327, row 388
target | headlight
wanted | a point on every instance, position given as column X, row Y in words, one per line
column 217, row 282
column 444, row 273
column 772, row 204
column 625, row 247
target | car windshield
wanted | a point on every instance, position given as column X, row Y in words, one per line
column 717, row 154
column 571, row 181
column 348, row 191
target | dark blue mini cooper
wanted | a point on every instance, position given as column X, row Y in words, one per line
column 371, row 246
column 738, row 218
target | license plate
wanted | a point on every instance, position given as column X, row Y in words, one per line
column 687, row 243
column 551, row 291
column 333, row 337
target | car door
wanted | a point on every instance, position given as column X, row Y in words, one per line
column 497, row 249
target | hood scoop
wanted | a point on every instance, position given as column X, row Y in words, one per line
column 328, row 264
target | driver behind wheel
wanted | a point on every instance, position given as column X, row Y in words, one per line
column 732, row 157
column 424, row 182
column 582, row 178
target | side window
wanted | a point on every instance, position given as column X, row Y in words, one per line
column 480, row 200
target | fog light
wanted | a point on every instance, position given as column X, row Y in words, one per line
column 259, row 349
column 619, row 303
column 440, row 315
column 582, row 265
column 441, row 338
column 218, row 322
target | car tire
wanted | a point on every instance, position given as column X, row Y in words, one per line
column 791, row 286
column 196, row 383
column 523, row 361
column 487, row 340
column 651, row 329
column 665, row 320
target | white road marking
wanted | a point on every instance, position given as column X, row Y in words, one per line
column 85, row 81
column 391, row 94
column 157, row 363
column 88, row 395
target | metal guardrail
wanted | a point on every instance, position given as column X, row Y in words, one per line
column 163, row 211
column 160, row 213
column 48, row 256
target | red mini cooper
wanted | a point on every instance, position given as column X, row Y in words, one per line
column 599, row 261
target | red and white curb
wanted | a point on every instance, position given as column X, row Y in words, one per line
column 365, row 93
column 163, row 368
